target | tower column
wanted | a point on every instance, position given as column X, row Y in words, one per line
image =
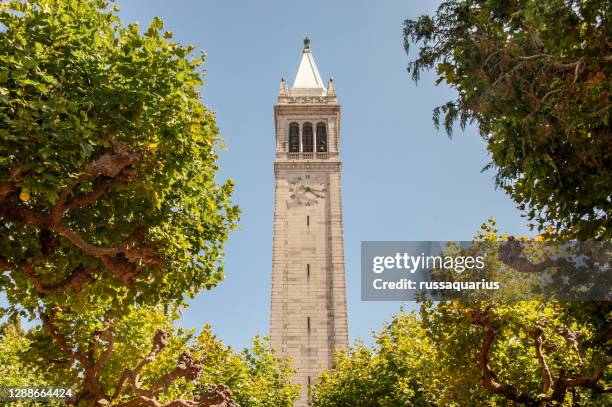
column 308, row 318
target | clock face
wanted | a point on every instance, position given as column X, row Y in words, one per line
column 306, row 189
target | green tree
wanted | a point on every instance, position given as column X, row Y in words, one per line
column 474, row 352
column 256, row 376
column 12, row 344
column 534, row 353
column 527, row 353
column 399, row 370
column 536, row 77
column 108, row 203
column 13, row 370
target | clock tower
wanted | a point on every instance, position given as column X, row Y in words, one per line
column 308, row 320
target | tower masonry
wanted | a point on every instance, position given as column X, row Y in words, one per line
column 308, row 318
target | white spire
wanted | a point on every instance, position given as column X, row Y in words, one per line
column 331, row 89
column 307, row 76
column 283, row 88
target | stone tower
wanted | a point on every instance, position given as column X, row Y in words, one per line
column 308, row 320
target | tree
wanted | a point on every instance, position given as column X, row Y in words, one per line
column 108, row 202
column 463, row 354
column 12, row 343
column 13, row 372
column 398, row 371
column 472, row 352
column 527, row 353
column 534, row 353
column 536, row 77
column 256, row 376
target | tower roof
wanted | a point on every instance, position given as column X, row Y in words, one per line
column 307, row 77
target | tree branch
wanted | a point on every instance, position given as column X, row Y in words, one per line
column 79, row 277
column 100, row 187
column 136, row 237
column 110, row 346
column 215, row 396
column 559, row 65
column 571, row 338
column 91, row 380
column 187, row 367
column 489, row 378
column 160, row 340
column 48, row 321
column 591, row 381
column 120, row 259
column 11, row 183
column 111, row 163
column 123, row 260
column 560, row 386
column 510, row 253
column 546, row 376
column 76, row 280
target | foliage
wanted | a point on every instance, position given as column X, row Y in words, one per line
column 476, row 352
column 257, row 377
column 108, row 159
column 521, row 352
column 108, row 202
column 396, row 372
column 13, row 372
column 529, row 352
column 444, row 357
column 12, row 344
column 536, row 77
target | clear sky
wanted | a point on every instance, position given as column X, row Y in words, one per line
column 402, row 179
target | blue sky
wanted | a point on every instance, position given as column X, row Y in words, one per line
column 402, row 179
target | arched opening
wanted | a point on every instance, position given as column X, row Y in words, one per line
column 321, row 138
column 294, row 138
column 307, row 138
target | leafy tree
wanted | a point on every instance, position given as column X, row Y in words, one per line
column 535, row 353
column 398, row 371
column 527, row 353
column 108, row 203
column 536, row 77
column 256, row 376
column 475, row 352
column 12, row 344
column 13, row 371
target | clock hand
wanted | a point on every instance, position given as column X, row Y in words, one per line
column 315, row 194
column 314, row 191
